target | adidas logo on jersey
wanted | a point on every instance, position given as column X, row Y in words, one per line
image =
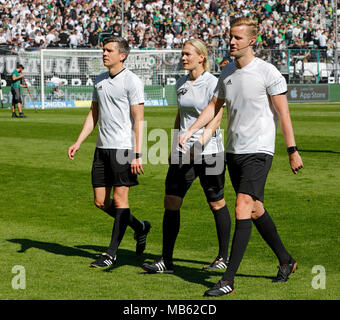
column 229, row 82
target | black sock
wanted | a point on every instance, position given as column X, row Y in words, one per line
column 171, row 224
column 134, row 223
column 119, row 227
column 238, row 247
column 267, row 230
column 223, row 225
column 111, row 210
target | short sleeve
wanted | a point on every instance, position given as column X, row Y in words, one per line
column 212, row 86
column 275, row 82
column 219, row 91
column 135, row 90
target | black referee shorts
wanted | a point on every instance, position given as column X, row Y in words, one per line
column 112, row 167
column 248, row 173
column 211, row 172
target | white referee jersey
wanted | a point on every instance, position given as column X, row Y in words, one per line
column 252, row 119
column 192, row 98
column 115, row 96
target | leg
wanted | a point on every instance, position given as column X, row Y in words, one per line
column 107, row 170
column 212, row 179
column 223, row 226
column 171, row 225
column 268, row 232
column 19, row 102
column 102, row 198
column 141, row 228
column 121, row 196
column 19, row 107
column 120, row 199
column 103, row 201
column 243, row 209
column 14, row 115
column 177, row 182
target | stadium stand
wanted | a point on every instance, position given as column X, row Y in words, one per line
column 304, row 27
column 30, row 24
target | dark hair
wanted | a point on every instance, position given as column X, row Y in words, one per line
column 19, row 65
column 122, row 44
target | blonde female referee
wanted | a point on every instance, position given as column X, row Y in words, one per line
column 204, row 160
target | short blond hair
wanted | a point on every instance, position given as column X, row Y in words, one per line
column 245, row 21
column 200, row 48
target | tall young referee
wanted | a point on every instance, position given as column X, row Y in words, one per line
column 118, row 108
column 255, row 94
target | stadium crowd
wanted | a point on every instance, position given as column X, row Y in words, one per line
column 30, row 24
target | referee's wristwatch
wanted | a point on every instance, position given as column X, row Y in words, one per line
column 292, row 149
column 138, row 155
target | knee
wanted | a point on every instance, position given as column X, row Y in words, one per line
column 244, row 207
column 240, row 213
column 217, row 205
column 121, row 197
column 120, row 202
column 172, row 202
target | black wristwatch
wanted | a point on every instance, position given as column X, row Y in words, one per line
column 292, row 149
column 138, row 155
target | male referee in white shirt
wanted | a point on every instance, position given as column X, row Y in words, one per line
column 255, row 95
column 118, row 108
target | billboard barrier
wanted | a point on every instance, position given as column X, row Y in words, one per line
column 308, row 93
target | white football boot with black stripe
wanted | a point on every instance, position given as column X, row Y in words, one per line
column 220, row 288
column 218, row 263
column 105, row 260
column 158, row 266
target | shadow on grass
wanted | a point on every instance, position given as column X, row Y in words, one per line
column 128, row 257
column 51, row 247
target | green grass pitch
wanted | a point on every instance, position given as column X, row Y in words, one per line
column 50, row 228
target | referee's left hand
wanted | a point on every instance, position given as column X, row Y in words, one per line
column 295, row 162
column 137, row 166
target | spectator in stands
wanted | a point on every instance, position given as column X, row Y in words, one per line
column 73, row 39
column 322, row 38
column 51, row 37
column 287, row 23
column 93, row 39
column 64, row 37
column 3, row 37
column 39, row 38
column 116, row 30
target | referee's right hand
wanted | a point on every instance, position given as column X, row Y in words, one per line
column 184, row 137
